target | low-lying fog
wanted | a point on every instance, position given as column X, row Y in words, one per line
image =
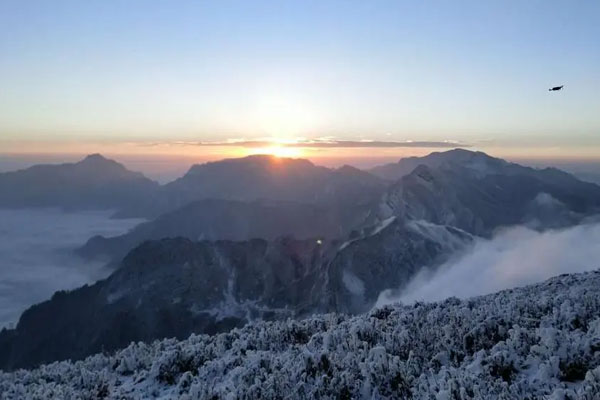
column 36, row 257
column 515, row 257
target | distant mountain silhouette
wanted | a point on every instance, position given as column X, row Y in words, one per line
column 265, row 177
column 215, row 219
column 100, row 183
column 92, row 183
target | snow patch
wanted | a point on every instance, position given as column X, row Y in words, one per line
column 383, row 224
column 440, row 233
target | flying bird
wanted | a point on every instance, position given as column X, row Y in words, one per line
column 555, row 88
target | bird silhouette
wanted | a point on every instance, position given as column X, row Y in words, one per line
column 555, row 88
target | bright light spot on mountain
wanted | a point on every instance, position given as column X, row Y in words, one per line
column 278, row 151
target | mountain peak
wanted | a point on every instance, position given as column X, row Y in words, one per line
column 460, row 150
column 259, row 160
column 270, row 158
column 98, row 161
column 474, row 161
column 349, row 169
column 95, row 157
column 459, row 155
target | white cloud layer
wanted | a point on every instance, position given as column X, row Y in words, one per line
column 514, row 257
column 36, row 257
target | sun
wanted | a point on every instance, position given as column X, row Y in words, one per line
column 278, row 151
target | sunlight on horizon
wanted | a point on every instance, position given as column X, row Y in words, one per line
column 388, row 71
column 281, row 147
column 277, row 151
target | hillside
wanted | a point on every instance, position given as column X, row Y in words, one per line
column 532, row 342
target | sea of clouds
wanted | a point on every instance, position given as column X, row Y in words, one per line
column 37, row 259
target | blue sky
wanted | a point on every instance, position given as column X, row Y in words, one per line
column 472, row 71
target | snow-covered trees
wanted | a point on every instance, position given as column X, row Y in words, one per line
column 542, row 340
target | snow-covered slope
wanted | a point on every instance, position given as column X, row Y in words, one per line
column 460, row 196
column 541, row 341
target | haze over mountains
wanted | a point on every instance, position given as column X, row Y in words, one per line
column 269, row 177
column 214, row 219
column 98, row 183
column 269, row 238
column 94, row 183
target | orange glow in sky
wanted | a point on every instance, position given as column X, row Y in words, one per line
column 288, row 147
column 278, row 151
column 168, row 160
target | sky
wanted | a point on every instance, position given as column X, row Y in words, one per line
column 203, row 79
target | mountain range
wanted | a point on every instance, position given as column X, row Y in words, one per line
column 265, row 177
column 266, row 238
column 478, row 193
column 99, row 183
column 468, row 190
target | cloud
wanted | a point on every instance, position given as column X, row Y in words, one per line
column 514, row 257
column 36, row 257
column 337, row 144
column 316, row 143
